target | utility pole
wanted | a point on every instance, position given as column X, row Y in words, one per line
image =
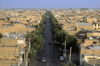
column 25, row 57
column 29, row 45
column 94, row 57
column 70, row 54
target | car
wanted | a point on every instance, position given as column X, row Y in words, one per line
column 49, row 43
column 61, row 58
column 43, row 59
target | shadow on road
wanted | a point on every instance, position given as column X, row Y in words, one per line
column 38, row 59
column 56, row 62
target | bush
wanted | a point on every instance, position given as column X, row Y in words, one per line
column 8, row 18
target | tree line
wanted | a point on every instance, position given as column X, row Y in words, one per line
column 60, row 36
column 36, row 38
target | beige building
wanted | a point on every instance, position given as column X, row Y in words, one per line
column 96, row 26
column 91, row 20
column 13, row 50
column 90, row 49
column 16, row 28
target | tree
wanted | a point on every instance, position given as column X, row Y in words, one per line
column 20, row 11
column 8, row 18
column 1, row 35
column 69, row 64
column 71, row 41
column 36, row 38
column 61, row 36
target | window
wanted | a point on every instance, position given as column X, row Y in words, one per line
column 91, row 59
column 94, row 42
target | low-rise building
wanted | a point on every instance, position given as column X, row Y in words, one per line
column 90, row 52
column 16, row 28
column 13, row 50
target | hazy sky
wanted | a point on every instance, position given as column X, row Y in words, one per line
column 49, row 4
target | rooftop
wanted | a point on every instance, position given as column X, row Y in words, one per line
column 92, row 47
column 84, row 24
column 15, row 36
column 6, row 27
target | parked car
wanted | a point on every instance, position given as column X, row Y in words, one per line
column 61, row 58
column 43, row 59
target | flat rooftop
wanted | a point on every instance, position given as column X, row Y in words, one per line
column 15, row 36
column 96, row 47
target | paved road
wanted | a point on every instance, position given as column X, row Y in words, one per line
column 50, row 50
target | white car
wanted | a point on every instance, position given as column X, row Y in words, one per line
column 61, row 58
column 43, row 59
